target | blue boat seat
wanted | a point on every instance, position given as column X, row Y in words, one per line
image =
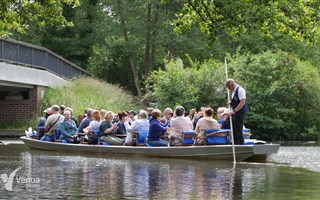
column 57, row 136
column 142, row 137
column 189, row 138
column 96, row 135
column 216, row 136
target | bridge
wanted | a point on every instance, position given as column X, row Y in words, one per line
column 26, row 71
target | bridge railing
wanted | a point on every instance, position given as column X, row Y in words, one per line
column 21, row 53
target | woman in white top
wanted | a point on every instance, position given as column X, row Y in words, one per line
column 179, row 124
column 142, row 124
column 95, row 123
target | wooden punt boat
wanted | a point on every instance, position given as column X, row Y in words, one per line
column 251, row 152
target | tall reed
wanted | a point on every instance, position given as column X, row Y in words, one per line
column 85, row 92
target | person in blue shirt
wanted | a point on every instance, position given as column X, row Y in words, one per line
column 68, row 128
column 121, row 127
column 156, row 129
column 86, row 121
column 42, row 123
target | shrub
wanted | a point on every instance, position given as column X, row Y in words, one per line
column 189, row 87
column 283, row 94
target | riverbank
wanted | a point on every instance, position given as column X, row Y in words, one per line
column 11, row 133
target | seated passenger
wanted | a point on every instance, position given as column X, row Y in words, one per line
column 220, row 112
column 149, row 111
column 68, row 128
column 207, row 122
column 179, row 124
column 141, row 124
column 156, row 129
column 132, row 116
column 226, row 123
column 102, row 113
column 108, row 130
column 93, row 126
column 167, row 115
column 61, row 109
column 53, row 121
column 42, row 122
column 197, row 116
column 86, row 121
column 81, row 118
column 121, row 127
column 72, row 117
column 192, row 113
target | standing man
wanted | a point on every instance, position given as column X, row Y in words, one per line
column 239, row 108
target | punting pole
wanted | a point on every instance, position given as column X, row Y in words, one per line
column 230, row 116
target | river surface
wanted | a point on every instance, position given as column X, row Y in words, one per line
column 293, row 173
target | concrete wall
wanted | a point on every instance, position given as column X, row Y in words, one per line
column 14, row 74
column 35, row 81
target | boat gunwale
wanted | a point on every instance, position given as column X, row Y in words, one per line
column 243, row 151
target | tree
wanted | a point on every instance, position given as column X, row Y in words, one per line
column 150, row 38
column 298, row 19
column 128, row 47
column 16, row 16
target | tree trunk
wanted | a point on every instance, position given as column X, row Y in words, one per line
column 127, row 43
column 153, row 38
column 148, row 38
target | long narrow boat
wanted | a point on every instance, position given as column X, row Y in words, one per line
column 252, row 152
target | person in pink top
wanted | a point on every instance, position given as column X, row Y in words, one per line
column 179, row 124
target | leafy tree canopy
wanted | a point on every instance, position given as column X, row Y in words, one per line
column 299, row 19
column 16, row 16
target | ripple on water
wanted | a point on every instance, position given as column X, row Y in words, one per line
column 304, row 157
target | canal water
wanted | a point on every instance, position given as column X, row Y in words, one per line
column 293, row 173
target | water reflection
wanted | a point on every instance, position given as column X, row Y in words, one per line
column 64, row 175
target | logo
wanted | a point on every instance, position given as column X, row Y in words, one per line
column 8, row 181
column 29, row 182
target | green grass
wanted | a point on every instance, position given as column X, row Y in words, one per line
column 20, row 125
column 84, row 92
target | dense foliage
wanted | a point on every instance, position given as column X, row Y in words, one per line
column 21, row 16
column 299, row 19
column 283, row 92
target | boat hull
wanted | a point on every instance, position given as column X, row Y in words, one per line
column 216, row 152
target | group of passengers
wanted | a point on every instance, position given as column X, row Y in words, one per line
column 118, row 129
